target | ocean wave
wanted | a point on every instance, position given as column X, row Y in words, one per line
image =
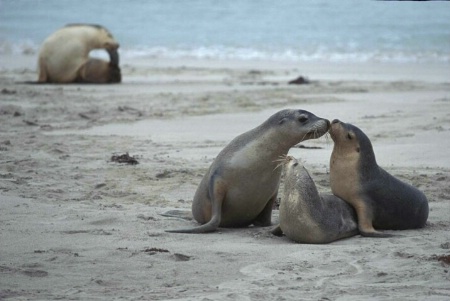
column 229, row 53
column 27, row 47
column 320, row 54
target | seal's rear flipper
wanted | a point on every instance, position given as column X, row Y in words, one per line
column 209, row 227
column 184, row 214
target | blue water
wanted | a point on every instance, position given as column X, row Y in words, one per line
column 308, row 30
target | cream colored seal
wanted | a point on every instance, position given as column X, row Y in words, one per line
column 381, row 201
column 64, row 56
column 307, row 216
column 241, row 185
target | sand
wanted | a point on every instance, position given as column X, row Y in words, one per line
column 76, row 226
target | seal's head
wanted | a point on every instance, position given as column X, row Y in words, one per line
column 349, row 137
column 351, row 142
column 290, row 164
column 298, row 125
column 287, row 162
column 297, row 177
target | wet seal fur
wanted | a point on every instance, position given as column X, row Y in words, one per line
column 64, row 56
column 241, row 185
column 381, row 201
column 309, row 217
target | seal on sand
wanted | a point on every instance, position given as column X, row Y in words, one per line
column 381, row 201
column 306, row 216
column 64, row 53
column 241, row 184
column 98, row 71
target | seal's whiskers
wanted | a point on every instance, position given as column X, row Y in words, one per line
column 283, row 159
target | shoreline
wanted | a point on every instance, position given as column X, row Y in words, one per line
column 436, row 72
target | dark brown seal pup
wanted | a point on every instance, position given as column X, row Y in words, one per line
column 241, row 184
column 309, row 217
column 97, row 71
column 381, row 201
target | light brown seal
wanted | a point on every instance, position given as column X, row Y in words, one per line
column 64, row 55
column 241, row 184
column 381, row 201
column 309, row 217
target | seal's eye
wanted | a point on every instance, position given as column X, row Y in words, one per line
column 303, row 119
column 295, row 164
column 349, row 136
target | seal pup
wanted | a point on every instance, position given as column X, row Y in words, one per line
column 309, row 217
column 242, row 183
column 65, row 52
column 381, row 201
column 97, row 71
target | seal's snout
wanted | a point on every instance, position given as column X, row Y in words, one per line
column 291, row 161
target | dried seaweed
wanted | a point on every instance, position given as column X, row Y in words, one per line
column 125, row 159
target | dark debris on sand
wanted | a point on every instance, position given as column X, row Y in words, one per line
column 125, row 158
column 301, row 80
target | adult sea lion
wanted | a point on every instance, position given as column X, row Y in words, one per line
column 242, row 183
column 381, row 201
column 309, row 217
column 64, row 55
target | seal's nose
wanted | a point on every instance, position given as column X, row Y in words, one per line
column 335, row 121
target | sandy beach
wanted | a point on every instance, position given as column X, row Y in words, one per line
column 76, row 226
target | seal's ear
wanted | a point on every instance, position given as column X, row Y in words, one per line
column 350, row 135
column 282, row 120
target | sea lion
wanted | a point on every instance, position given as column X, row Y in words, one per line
column 64, row 55
column 381, row 201
column 242, row 183
column 309, row 217
column 98, row 71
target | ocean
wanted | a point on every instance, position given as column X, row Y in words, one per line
column 288, row 30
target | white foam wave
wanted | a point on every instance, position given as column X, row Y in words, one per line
column 27, row 47
column 228, row 53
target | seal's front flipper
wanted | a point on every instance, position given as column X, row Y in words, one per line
column 264, row 219
column 277, row 231
column 374, row 233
